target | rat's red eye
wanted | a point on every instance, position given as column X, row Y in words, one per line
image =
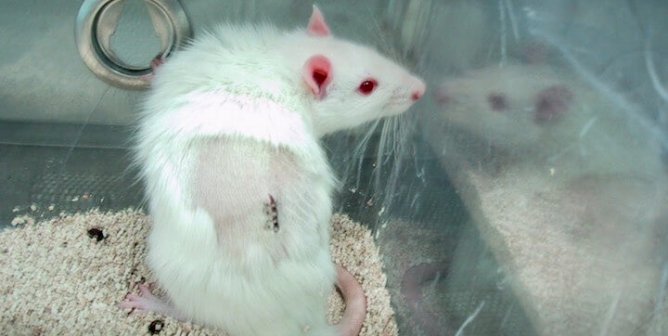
column 367, row 86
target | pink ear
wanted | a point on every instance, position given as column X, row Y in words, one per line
column 317, row 25
column 317, row 74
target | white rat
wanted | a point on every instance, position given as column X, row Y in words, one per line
column 238, row 185
column 532, row 114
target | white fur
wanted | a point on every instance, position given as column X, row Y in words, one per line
column 229, row 122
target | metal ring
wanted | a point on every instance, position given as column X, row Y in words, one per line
column 169, row 21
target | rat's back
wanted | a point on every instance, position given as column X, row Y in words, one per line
column 239, row 189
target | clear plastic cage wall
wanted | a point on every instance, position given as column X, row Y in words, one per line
column 526, row 193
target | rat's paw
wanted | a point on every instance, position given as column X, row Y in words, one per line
column 145, row 301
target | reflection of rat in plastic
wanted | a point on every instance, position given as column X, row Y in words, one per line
column 553, row 166
column 532, row 114
column 239, row 187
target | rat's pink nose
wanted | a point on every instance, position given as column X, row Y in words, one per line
column 419, row 91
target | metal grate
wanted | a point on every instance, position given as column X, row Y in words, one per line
column 43, row 181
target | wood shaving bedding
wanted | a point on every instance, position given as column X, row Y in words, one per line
column 65, row 276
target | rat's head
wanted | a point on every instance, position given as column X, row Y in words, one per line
column 352, row 84
column 510, row 106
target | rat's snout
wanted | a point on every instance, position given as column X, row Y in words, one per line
column 418, row 89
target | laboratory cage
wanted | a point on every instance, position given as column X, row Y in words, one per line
column 524, row 194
